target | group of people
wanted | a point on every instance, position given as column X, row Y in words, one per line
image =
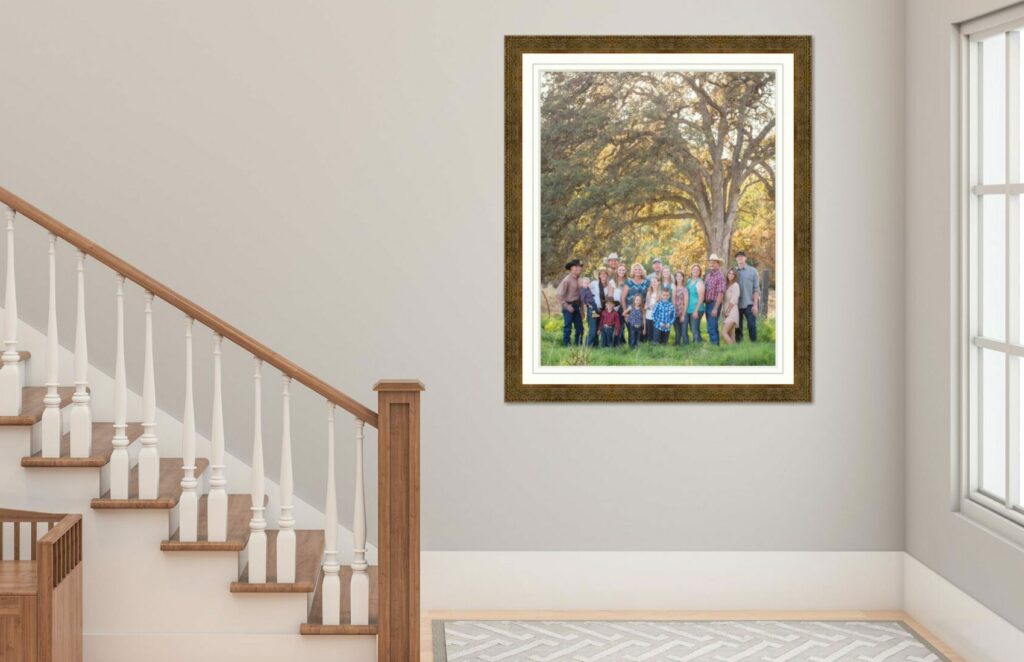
column 634, row 307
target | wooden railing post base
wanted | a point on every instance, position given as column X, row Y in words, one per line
column 398, row 543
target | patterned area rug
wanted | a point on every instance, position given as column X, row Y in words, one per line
column 680, row 641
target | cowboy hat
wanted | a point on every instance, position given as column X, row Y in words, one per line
column 612, row 256
column 714, row 258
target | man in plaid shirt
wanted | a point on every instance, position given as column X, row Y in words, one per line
column 714, row 292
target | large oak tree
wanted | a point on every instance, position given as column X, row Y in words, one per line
column 624, row 152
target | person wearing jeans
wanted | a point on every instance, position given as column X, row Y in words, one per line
column 750, row 296
column 588, row 308
column 664, row 316
column 681, row 301
column 598, row 292
column 610, row 324
column 635, row 320
column 695, row 307
column 637, row 283
column 568, row 294
column 714, row 292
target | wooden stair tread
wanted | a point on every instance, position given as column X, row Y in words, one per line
column 18, row 578
column 32, row 404
column 314, row 622
column 309, row 547
column 238, row 528
column 102, row 448
column 169, row 490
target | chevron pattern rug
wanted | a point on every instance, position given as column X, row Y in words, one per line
column 679, row 641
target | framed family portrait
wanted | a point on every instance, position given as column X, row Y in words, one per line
column 658, row 218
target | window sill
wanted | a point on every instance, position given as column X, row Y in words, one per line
column 993, row 522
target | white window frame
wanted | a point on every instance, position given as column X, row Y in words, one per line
column 1004, row 516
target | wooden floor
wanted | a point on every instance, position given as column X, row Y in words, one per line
column 426, row 645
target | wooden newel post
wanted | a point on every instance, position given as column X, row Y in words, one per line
column 398, row 516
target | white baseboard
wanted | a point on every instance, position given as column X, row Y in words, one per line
column 227, row 647
column 967, row 626
column 712, row 581
column 662, row 580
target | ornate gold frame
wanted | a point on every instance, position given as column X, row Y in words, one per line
column 800, row 390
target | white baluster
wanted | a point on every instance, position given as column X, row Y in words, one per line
column 120, row 462
column 217, row 503
column 149, row 457
column 257, row 524
column 10, row 375
column 188, row 505
column 359, row 589
column 81, row 410
column 286, row 523
column 332, row 582
column 51, row 424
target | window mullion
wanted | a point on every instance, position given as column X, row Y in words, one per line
column 972, row 151
column 976, row 458
column 1012, row 268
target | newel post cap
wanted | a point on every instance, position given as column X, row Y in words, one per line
column 399, row 385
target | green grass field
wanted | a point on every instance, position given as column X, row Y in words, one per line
column 705, row 354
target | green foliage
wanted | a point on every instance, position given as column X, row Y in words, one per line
column 578, row 355
column 552, row 323
column 761, row 352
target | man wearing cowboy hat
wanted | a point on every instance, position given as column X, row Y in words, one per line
column 568, row 294
column 612, row 262
column 714, row 292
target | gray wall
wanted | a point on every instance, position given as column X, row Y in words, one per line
column 983, row 565
column 328, row 176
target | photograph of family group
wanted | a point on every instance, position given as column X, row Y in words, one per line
column 627, row 308
column 675, row 170
column 657, row 217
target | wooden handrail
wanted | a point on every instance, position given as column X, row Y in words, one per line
column 59, row 529
column 17, row 517
column 190, row 308
column 9, row 515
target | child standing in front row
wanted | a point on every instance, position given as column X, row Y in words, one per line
column 649, row 305
column 635, row 320
column 610, row 324
column 664, row 315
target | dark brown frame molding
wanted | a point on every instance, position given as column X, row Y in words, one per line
column 800, row 390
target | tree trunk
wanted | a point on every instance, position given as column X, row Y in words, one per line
column 720, row 247
column 719, row 238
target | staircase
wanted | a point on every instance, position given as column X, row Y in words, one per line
column 115, row 471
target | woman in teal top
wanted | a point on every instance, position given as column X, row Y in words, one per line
column 636, row 284
column 695, row 284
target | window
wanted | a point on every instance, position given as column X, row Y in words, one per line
column 992, row 332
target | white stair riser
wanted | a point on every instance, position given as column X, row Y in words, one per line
column 168, row 586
